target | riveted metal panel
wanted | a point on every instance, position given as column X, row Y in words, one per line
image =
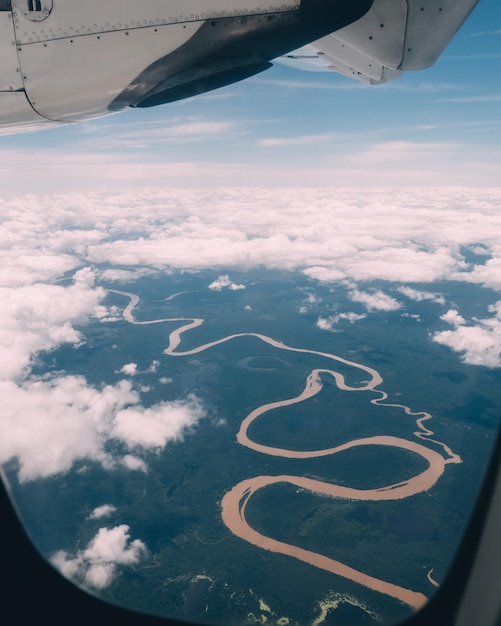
column 431, row 25
column 73, row 18
column 10, row 78
column 329, row 54
column 76, row 78
column 70, row 78
column 406, row 34
column 380, row 34
column 396, row 36
column 349, row 61
column 16, row 113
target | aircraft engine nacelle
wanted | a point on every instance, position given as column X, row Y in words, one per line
column 68, row 60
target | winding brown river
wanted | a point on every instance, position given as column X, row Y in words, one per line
column 235, row 501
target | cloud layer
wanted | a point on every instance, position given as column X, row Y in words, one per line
column 57, row 251
column 403, row 236
column 411, row 237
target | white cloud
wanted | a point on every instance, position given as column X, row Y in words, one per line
column 148, row 134
column 41, row 317
column 309, row 84
column 413, row 316
column 134, row 463
column 91, row 169
column 479, row 341
column 329, row 234
column 224, row 281
column 453, row 318
column 313, row 299
column 401, row 151
column 480, row 250
column 154, row 427
column 96, row 566
column 302, row 140
column 327, row 323
column 106, row 510
column 418, row 295
column 496, row 97
column 49, row 425
column 196, row 129
column 488, row 274
column 27, row 267
column 153, row 368
column 375, row 300
column 124, row 276
column 484, row 33
column 130, row 369
column 350, row 317
column 324, row 274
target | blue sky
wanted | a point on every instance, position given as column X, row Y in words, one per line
column 440, row 126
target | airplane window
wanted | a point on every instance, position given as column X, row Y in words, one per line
column 251, row 352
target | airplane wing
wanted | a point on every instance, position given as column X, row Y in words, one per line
column 393, row 37
column 66, row 60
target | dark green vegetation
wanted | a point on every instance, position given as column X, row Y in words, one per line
column 196, row 569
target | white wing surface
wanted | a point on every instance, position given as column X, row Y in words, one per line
column 393, row 37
